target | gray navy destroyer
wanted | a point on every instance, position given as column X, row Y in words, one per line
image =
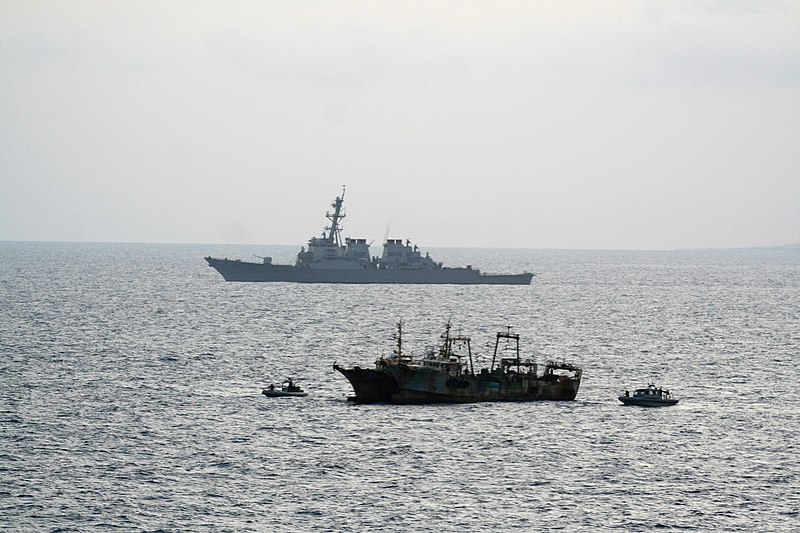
column 329, row 259
column 448, row 375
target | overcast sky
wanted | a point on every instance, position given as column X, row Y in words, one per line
column 544, row 124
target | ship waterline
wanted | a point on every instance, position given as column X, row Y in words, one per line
column 235, row 270
column 331, row 259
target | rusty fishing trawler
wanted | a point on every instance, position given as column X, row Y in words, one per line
column 447, row 375
column 329, row 259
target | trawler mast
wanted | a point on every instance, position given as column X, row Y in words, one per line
column 508, row 336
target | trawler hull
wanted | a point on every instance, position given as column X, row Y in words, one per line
column 370, row 386
column 402, row 384
column 234, row 270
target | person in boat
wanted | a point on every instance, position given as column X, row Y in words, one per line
column 627, row 393
column 271, row 386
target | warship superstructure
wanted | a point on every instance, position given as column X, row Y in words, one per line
column 447, row 375
column 330, row 259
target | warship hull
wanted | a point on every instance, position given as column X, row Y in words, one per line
column 235, row 270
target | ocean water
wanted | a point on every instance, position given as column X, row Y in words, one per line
column 130, row 381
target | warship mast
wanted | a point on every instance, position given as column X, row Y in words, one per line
column 334, row 230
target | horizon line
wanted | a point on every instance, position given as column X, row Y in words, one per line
column 678, row 249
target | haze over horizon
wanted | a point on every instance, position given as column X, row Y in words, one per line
column 591, row 125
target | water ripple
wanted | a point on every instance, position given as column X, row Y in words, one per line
column 131, row 397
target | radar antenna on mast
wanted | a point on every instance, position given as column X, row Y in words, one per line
column 334, row 230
